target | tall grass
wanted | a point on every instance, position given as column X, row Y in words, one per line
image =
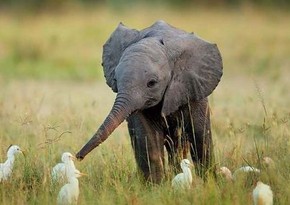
column 49, row 103
column 48, row 118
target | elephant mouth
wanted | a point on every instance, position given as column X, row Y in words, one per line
column 151, row 102
column 148, row 103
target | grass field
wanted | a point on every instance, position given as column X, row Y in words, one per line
column 53, row 97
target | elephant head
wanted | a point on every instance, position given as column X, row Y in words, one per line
column 157, row 65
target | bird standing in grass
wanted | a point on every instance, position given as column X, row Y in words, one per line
column 69, row 193
column 183, row 180
column 7, row 167
column 226, row 172
column 246, row 169
column 262, row 194
column 231, row 177
column 268, row 162
column 58, row 172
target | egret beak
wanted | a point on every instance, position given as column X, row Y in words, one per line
column 73, row 158
column 83, row 174
column 23, row 152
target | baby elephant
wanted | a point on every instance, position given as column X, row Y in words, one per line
column 162, row 76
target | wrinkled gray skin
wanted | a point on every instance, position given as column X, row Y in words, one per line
column 162, row 77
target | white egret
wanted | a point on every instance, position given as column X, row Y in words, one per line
column 268, row 162
column 245, row 169
column 262, row 194
column 183, row 180
column 7, row 167
column 58, row 172
column 226, row 173
column 69, row 193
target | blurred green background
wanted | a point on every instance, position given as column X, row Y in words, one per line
column 62, row 39
column 36, row 4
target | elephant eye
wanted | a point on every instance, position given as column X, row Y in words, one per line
column 151, row 83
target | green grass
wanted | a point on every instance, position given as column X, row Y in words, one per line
column 53, row 97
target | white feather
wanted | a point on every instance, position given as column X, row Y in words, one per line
column 262, row 194
column 7, row 167
column 245, row 170
column 183, row 180
column 69, row 193
column 58, row 172
column 226, row 172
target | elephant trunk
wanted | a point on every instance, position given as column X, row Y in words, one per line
column 120, row 111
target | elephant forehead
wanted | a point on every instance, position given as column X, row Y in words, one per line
column 135, row 69
column 142, row 66
column 148, row 49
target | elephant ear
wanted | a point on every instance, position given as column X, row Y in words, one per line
column 196, row 71
column 113, row 49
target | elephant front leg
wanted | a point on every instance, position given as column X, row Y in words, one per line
column 148, row 146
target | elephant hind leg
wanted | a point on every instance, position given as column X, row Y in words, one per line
column 148, row 146
column 174, row 159
column 201, row 147
column 177, row 150
column 203, row 156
